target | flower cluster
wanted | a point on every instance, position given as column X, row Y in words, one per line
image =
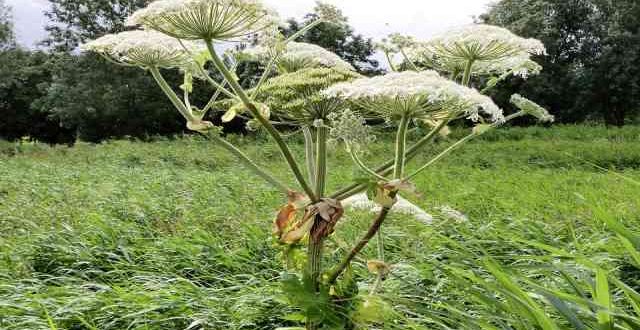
column 145, row 49
column 531, row 108
column 418, row 94
column 519, row 65
column 484, row 42
column 350, row 128
column 206, row 19
column 294, row 97
column 299, row 55
column 493, row 51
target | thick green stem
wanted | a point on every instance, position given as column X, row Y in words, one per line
column 322, row 134
column 373, row 229
column 401, row 145
column 316, row 239
column 309, row 153
column 173, row 97
column 380, row 242
column 235, row 86
column 314, row 264
column 466, row 78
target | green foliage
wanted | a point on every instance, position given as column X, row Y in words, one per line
column 591, row 44
column 76, row 21
column 7, row 37
column 294, row 97
column 101, row 101
column 23, row 75
column 156, row 236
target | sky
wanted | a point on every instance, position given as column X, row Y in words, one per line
column 372, row 18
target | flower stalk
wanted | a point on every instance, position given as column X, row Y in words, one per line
column 175, row 100
column 246, row 161
column 373, row 229
column 286, row 152
column 401, row 143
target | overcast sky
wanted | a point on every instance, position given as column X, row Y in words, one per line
column 372, row 18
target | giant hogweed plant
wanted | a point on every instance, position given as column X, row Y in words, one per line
column 308, row 88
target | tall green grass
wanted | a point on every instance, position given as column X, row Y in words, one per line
column 175, row 235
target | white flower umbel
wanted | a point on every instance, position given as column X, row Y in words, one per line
column 531, row 108
column 299, row 55
column 206, row 19
column 483, row 42
column 491, row 50
column 145, row 49
column 416, row 94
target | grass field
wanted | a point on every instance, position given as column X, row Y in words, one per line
column 174, row 233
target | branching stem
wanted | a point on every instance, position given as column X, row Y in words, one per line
column 373, row 229
column 286, row 152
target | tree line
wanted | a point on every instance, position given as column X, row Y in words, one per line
column 58, row 95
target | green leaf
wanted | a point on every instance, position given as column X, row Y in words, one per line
column 523, row 299
column 566, row 311
column 603, row 297
column 628, row 245
column 372, row 310
column 616, row 226
column 632, row 295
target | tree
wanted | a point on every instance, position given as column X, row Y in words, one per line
column 590, row 44
column 6, row 26
column 76, row 21
column 102, row 101
column 22, row 74
column 92, row 96
column 337, row 36
column 613, row 73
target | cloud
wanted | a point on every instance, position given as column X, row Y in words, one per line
column 372, row 18
column 29, row 20
column 378, row 18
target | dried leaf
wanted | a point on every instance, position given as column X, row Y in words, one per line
column 377, row 266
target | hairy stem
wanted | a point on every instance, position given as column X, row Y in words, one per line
column 373, row 229
column 286, row 152
column 316, row 239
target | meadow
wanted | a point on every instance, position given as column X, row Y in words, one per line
column 174, row 234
